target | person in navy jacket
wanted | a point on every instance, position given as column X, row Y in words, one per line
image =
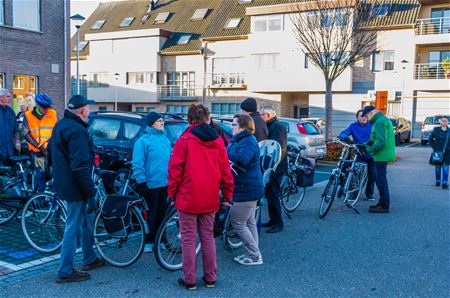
column 248, row 187
column 360, row 132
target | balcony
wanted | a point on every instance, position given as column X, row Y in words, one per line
column 429, row 71
column 175, row 92
column 227, row 80
column 433, row 26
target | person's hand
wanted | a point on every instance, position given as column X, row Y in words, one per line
column 17, row 146
column 170, row 201
column 227, row 203
column 91, row 205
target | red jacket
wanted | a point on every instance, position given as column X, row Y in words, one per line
column 198, row 170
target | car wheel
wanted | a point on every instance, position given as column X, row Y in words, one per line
column 423, row 142
column 397, row 139
column 408, row 139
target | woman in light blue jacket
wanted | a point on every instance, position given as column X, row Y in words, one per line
column 151, row 155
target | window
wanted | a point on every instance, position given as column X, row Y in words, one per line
column 102, row 108
column 26, row 14
column 301, row 112
column 232, row 23
column 104, row 129
column 199, row 14
column 183, row 82
column 131, row 130
column 228, row 70
column 398, row 95
column 98, row 79
column 335, row 18
column 181, row 109
column 267, row 62
column 18, row 83
column 435, row 57
column 161, row 17
column 225, row 108
column 306, row 61
column 141, row 78
column 183, row 38
column 268, row 23
column 383, row 60
column 83, row 44
column 149, row 109
column 140, row 109
column 2, row 80
column 380, row 9
column 126, row 22
column 98, row 24
column 1, row 11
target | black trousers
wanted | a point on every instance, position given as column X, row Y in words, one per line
column 272, row 193
column 382, row 183
column 156, row 199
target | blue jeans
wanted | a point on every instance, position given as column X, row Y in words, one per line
column 77, row 222
column 442, row 174
column 40, row 173
column 382, row 183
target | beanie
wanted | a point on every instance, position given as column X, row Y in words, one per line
column 152, row 117
column 249, row 105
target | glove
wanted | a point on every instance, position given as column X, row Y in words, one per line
column 91, row 206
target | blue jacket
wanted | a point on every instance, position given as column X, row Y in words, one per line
column 151, row 156
column 8, row 131
column 244, row 152
column 360, row 133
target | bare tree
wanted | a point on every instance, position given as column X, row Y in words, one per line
column 334, row 35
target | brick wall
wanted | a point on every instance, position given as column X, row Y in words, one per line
column 24, row 52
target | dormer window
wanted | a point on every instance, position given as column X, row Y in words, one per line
column 161, row 17
column 199, row 14
column 83, row 44
column 126, row 22
column 245, row 1
column 183, row 38
column 232, row 23
column 98, row 24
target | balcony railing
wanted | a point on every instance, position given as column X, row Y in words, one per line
column 433, row 26
column 227, row 80
column 175, row 92
column 429, row 71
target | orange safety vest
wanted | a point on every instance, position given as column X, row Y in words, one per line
column 41, row 130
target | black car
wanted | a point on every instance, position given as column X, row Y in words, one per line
column 120, row 130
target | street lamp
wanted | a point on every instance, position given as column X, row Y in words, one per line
column 78, row 20
column 116, row 76
column 403, row 62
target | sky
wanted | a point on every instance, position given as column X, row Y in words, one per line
column 84, row 8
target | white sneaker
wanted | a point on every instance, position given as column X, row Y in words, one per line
column 249, row 261
column 239, row 257
column 148, row 248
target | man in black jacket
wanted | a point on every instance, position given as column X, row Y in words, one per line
column 277, row 132
column 250, row 108
column 72, row 161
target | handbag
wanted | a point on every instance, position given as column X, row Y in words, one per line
column 437, row 157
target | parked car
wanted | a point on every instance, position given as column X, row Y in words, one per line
column 120, row 130
column 307, row 134
column 319, row 122
column 402, row 130
column 427, row 127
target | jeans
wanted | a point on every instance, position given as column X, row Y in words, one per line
column 189, row 224
column 442, row 174
column 156, row 199
column 39, row 168
column 382, row 183
column 77, row 222
column 243, row 221
column 273, row 200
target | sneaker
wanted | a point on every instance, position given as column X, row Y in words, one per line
column 74, row 277
column 370, row 198
column 438, row 183
column 97, row 263
column 209, row 284
column 374, row 206
column 274, row 229
column 444, row 186
column 183, row 284
column 250, row 262
column 379, row 209
column 239, row 257
column 148, row 248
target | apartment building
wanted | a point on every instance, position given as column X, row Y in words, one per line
column 33, row 42
column 165, row 55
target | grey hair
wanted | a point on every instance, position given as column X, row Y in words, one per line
column 3, row 91
column 269, row 111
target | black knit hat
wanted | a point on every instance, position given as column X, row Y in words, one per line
column 152, row 117
column 249, row 105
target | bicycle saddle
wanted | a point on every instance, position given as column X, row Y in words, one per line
column 19, row 158
column 105, row 173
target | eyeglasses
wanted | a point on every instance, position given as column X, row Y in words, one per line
column 234, row 124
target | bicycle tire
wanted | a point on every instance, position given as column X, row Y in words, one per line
column 291, row 195
column 328, row 196
column 355, row 183
column 167, row 248
column 43, row 222
column 6, row 214
column 117, row 250
column 231, row 237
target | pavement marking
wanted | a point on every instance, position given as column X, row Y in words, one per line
column 410, row 145
column 322, row 172
column 10, row 266
column 317, row 185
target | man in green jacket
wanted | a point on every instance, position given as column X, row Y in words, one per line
column 382, row 147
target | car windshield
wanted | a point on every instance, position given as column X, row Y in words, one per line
column 311, row 128
column 174, row 130
column 434, row 120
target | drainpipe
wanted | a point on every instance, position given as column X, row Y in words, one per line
column 65, row 54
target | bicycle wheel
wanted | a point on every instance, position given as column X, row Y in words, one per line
column 231, row 237
column 355, row 183
column 120, row 251
column 291, row 195
column 328, row 196
column 167, row 246
column 6, row 214
column 43, row 222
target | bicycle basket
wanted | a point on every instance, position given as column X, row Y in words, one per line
column 116, row 215
column 305, row 172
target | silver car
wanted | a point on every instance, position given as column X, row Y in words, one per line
column 307, row 134
column 428, row 125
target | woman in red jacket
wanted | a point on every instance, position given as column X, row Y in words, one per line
column 198, row 170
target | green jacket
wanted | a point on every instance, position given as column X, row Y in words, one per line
column 382, row 139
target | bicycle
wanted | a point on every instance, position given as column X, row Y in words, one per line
column 350, row 175
column 292, row 195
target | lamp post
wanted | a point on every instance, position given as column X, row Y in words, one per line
column 116, row 77
column 78, row 20
column 403, row 62
column 204, row 51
